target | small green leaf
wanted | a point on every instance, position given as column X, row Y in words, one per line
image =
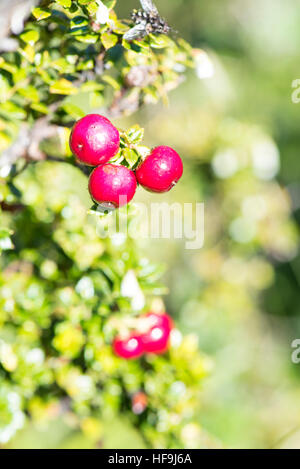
column 63, row 66
column 87, row 38
column 65, row 3
column 4, row 88
column 30, row 37
column 135, row 134
column 119, row 27
column 41, row 13
column 63, row 86
column 5, row 141
column 111, row 81
column 28, row 53
column 39, row 107
column 131, row 156
column 159, row 41
column 140, row 47
column 73, row 111
column 86, row 65
column 79, row 22
column 12, row 111
column 30, row 93
column 4, row 232
column 109, row 40
column 91, row 86
column 5, row 241
column 8, row 67
column 185, row 45
column 92, row 8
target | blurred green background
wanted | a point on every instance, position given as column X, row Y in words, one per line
column 238, row 133
column 240, row 293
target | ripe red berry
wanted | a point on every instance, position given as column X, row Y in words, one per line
column 161, row 170
column 156, row 340
column 129, row 348
column 112, row 185
column 94, row 140
column 158, row 320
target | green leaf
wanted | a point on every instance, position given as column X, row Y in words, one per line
column 92, row 8
column 140, row 47
column 159, row 41
column 4, row 88
column 87, row 38
column 41, row 13
column 5, row 241
column 91, row 86
column 65, row 3
column 63, row 86
column 4, row 232
column 30, row 37
column 185, row 45
column 63, row 66
column 135, row 134
column 111, row 81
column 131, row 156
column 73, row 111
column 119, row 27
column 29, row 92
column 86, row 65
column 39, row 107
column 28, row 52
column 7, row 66
column 79, row 22
column 12, row 111
column 109, row 40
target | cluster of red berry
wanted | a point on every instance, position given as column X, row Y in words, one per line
column 155, row 339
column 95, row 141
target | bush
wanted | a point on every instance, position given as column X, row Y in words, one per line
column 62, row 296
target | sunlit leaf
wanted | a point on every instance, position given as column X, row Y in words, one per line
column 30, row 37
column 135, row 134
column 41, row 13
column 131, row 156
column 63, row 86
column 109, row 40
column 65, row 3
column 87, row 38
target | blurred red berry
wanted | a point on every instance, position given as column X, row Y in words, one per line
column 129, row 348
column 94, row 140
column 163, row 320
column 112, row 185
column 139, row 402
column 156, row 340
column 161, row 170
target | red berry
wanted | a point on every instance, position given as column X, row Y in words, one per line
column 156, row 340
column 161, row 170
column 139, row 402
column 112, row 185
column 157, row 320
column 131, row 347
column 94, row 140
